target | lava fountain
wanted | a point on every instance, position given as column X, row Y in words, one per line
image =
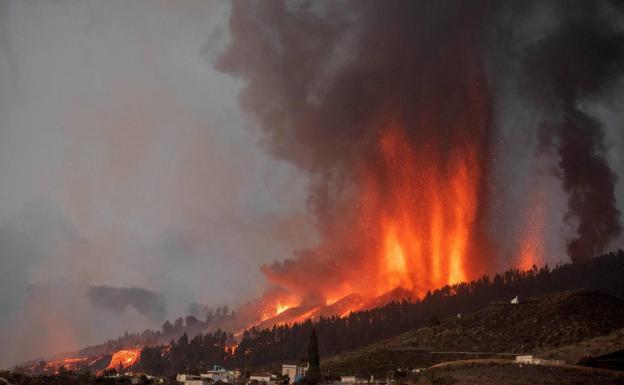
column 420, row 215
column 390, row 112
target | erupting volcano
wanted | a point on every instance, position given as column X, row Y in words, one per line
column 190, row 183
column 399, row 144
column 391, row 109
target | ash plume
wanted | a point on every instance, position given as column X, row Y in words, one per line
column 391, row 108
column 334, row 85
column 118, row 299
column 581, row 60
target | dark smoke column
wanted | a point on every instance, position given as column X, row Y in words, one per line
column 386, row 106
column 579, row 61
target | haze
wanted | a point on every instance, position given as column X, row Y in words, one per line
column 126, row 162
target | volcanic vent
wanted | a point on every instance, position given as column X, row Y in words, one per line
column 389, row 107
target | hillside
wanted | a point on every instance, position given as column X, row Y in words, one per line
column 593, row 347
column 261, row 347
column 541, row 323
column 496, row 372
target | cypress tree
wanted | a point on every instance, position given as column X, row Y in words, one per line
column 313, row 376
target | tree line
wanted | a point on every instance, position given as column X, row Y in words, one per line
column 289, row 343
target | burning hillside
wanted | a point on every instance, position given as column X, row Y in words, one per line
column 390, row 107
column 124, row 358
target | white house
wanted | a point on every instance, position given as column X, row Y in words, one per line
column 294, row 372
column 189, row 379
column 197, row 382
column 218, row 373
column 261, row 377
column 537, row 361
column 355, row 380
column 183, row 377
column 524, row 359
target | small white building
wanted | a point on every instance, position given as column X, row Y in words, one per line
column 218, row 373
column 354, row 380
column 524, row 359
column 183, row 377
column 197, row 382
column 189, row 379
column 294, row 372
column 261, row 377
column 530, row 360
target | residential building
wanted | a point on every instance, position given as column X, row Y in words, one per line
column 294, row 372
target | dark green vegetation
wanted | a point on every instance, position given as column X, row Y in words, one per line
column 313, row 376
column 288, row 343
column 541, row 323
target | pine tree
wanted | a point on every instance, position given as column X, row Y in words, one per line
column 313, row 376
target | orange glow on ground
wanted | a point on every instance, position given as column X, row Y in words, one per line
column 124, row 358
column 281, row 308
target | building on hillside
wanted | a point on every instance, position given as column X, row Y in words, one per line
column 263, row 378
column 189, row 379
column 218, row 373
column 528, row 359
column 518, row 300
column 524, row 359
column 294, row 372
column 198, row 382
column 139, row 378
column 355, row 380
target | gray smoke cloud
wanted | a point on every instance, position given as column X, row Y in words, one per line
column 321, row 78
column 125, row 162
column 118, row 299
column 581, row 59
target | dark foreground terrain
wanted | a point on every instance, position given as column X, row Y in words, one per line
column 541, row 324
column 496, row 373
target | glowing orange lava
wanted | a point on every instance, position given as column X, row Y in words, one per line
column 409, row 216
column 425, row 211
column 531, row 247
column 281, row 308
column 231, row 349
column 124, row 358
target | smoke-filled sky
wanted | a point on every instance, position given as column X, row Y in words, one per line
column 126, row 162
column 159, row 153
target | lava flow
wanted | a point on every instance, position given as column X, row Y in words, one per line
column 124, row 358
